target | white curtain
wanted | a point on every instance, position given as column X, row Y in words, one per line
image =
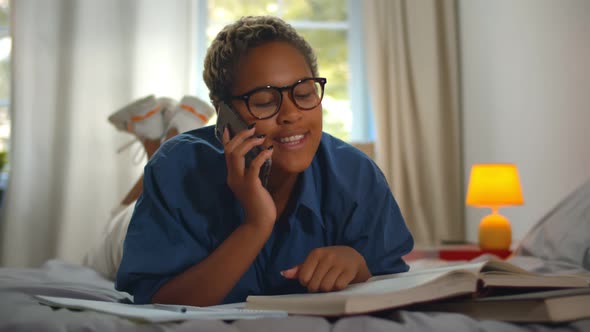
column 74, row 63
column 411, row 50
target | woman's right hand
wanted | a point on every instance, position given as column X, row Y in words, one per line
column 245, row 183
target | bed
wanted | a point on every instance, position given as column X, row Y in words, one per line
column 542, row 250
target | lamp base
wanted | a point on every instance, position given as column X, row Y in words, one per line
column 495, row 232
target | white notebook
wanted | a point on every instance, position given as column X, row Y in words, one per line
column 157, row 313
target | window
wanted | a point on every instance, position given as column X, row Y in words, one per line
column 332, row 27
column 5, row 48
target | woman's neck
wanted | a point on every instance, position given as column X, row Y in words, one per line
column 280, row 187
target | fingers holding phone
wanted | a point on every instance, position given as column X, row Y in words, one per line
column 260, row 166
column 236, row 147
column 248, row 165
column 228, row 118
column 236, row 155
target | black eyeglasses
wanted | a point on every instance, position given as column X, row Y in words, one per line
column 264, row 102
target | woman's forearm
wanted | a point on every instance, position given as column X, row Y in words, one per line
column 208, row 282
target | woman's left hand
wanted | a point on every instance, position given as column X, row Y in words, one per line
column 330, row 268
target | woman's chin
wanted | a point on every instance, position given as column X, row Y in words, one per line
column 288, row 166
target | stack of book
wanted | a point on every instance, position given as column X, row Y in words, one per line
column 493, row 289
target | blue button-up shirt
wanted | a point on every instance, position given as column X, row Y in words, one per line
column 187, row 210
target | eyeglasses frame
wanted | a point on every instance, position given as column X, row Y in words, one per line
column 246, row 96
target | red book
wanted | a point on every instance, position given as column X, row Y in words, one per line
column 468, row 252
column 463, row 252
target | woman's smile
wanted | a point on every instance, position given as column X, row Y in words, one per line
column 291, row 141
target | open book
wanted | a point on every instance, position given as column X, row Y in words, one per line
column 403, row 289
column 552, row 306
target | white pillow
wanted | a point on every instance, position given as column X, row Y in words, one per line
column 105, row 256
column 564, row 233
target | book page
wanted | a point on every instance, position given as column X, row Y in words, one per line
column 510, row 279
column 157, row 313
column 401, row 281
column 541, row 307
column 539, row 295
column 473, row 268
column 498, row 265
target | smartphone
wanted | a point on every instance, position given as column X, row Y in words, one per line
column 228, row 117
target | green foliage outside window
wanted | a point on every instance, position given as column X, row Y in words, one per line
column 3, row 159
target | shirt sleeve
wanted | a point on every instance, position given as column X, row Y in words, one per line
column 162, row 239
column 377, row 229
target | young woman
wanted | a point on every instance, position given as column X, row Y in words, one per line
column 206, row 231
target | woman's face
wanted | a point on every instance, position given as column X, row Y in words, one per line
column 294, row 134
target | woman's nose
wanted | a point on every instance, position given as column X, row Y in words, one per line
column 288, row 112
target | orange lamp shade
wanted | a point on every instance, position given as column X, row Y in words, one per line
column 494, row 185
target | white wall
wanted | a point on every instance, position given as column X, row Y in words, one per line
column 526, row 98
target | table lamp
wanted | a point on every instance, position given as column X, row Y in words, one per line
column 494, row 186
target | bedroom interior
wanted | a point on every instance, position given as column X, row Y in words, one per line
column 477, row 82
